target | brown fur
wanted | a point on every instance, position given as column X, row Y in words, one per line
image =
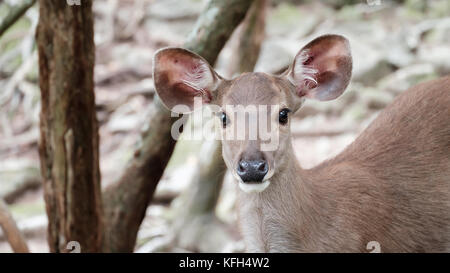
column 392, row 185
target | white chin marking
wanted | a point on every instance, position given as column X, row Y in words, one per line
column 254, row 187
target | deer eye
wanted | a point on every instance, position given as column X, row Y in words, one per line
column 224, row 119
column 283, row 117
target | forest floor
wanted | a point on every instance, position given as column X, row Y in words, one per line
column 394, row 47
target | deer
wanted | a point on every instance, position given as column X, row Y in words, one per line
column 390, row 186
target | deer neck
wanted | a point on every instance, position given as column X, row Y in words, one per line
column 271, row 211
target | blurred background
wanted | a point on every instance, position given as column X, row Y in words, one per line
column 395, row 44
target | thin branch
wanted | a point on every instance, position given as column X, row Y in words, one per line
column 251, row 37
column 15, row 14
column 11, row 230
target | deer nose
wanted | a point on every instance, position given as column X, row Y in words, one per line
column 252, row 170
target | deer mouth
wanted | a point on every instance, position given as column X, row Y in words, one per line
column 254, row 187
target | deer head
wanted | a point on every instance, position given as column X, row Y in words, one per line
column 321, row 70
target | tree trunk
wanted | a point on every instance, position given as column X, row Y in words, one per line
column 126, row 201
column 68, row 145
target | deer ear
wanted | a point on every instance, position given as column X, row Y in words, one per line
column 180, row 76
column 322, row 69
